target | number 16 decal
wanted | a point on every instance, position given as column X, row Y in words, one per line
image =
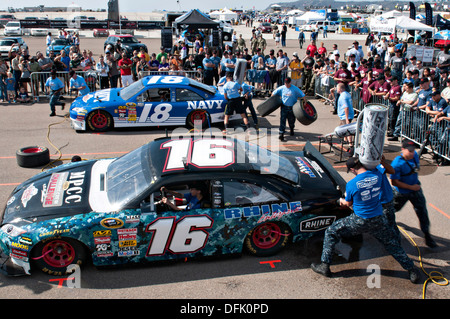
column 185, row 236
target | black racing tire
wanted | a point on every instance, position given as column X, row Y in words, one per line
column 269, row 106
column 201, row 115
column 305, row 113
column 99, row 121
column 54, row 256
column 267, row 239
column 32, row 156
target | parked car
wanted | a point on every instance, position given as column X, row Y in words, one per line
column 265, row 27
column 13, row 28
column 7, row 43
column 101, row 33
column 128, row 42
column 39, row 32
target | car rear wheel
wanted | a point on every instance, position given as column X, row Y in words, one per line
column 99, row 121
column 56, row 255
column 198, row 115
column 267, row 239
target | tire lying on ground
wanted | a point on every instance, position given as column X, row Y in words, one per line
column 305, row 113
column 32, row 156
column 269, row 105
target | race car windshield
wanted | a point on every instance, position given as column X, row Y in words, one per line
column 267, row 162
column 128, row 176
column 131, row 90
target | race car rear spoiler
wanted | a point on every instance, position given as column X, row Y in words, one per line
column 311, row 152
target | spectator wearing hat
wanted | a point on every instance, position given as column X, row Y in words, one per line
column 436, row 105
column 412, row 65
column 445, row 93
column 357, row 51
column 406, row 181
column 424, row 93
column 367, row 217
column 289, row 95
column 380, row 87
column 296, row 67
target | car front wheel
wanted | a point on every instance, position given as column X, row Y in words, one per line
column 56, row 255
column 99, row 121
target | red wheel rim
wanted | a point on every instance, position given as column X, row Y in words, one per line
column 309, row 109
column 266, row 236
column 198, row 115
column 99, row 120
column 58, row 253
column 32, row 150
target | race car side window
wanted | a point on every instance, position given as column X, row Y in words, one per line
column 236, row 193
column 184, row 95
column 151, row 95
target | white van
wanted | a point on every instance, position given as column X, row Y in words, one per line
column 332, row 26
column 13, row 28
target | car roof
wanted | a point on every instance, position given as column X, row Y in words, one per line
column 244, row 161
column 121, row 35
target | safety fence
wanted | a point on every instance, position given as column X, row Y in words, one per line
column 416, row 125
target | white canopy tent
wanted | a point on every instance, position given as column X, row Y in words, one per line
column 389, row 25
column 223, row 15
column 308, row 17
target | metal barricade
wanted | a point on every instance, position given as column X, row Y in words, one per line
column 418, row 127
column 194, row 74
column 38, row 80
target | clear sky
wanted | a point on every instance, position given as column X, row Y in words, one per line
column 144, row 5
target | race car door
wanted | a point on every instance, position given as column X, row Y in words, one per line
column 176, row 231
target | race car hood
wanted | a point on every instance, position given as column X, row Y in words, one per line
column 98, row 98
column 63, row 191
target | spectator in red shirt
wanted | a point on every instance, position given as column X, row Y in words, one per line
column 322, row 51
column 312, row 49
column 380, row 87
column 124, row 65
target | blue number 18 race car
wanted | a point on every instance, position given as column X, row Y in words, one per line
column 159, row 100
column 115, row 211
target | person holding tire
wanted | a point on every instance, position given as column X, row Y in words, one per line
column 363, row 194
column 55, row 85
column 289, row 95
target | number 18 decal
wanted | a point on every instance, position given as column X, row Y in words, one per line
column 185, row 236
column 202, row 153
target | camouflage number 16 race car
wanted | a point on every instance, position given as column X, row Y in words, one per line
column 112, row 209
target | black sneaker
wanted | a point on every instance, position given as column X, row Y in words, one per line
column 62, row 106
column 393, row 138
column 414, row 275
column 322, row 268
column 281, row 137
column 292, row 132
column 430, row 241
column 53, row 114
